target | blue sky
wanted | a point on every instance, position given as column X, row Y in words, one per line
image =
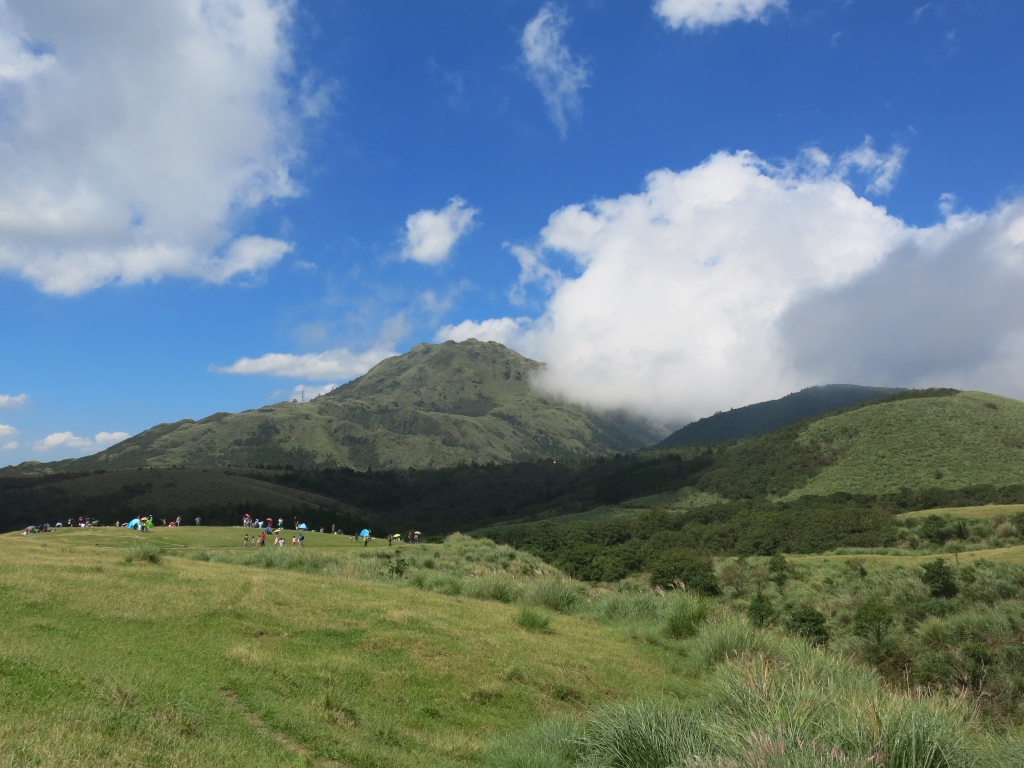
column 207, row 205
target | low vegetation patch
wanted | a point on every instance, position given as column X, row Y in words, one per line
column 140, row 552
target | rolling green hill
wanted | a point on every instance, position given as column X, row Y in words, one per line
column 435, row 406
column 759, row 418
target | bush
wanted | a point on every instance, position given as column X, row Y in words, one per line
column 808, row 623
column 693, row 570
column 938, row 577
column 532, row 618
column 760, row 611
column 873, row 619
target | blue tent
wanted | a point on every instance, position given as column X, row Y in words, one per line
column 302, row 527
column 136, row 523
column 364, row 533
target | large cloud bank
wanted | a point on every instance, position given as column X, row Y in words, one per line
column 132, row 134
column 738, row 281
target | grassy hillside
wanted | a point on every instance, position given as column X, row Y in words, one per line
column 191, row 663
column 435, row 406
column 113, row 653
column 759, row 418
column 970, row 438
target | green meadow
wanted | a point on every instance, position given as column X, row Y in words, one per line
column 181, row 648
column 184, row 662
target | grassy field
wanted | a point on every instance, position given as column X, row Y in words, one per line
column 191, row 663
column 113, row 653
column 1003, row 555
column 986, row 512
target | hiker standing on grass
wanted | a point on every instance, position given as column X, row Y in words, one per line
column 199, row 520
column 263, row 539
column 302, row 538
column 245, row 541
column 294, row 541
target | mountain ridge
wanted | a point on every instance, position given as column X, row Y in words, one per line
column 436, row 405
column 770, row 415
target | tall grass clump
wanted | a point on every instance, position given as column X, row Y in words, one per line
column 533, row 619
column 558, row 595
column 627, row 607
column 644, row 734
column 549, row 744
column 143, row 553
column 501, row 589
column 685, row 616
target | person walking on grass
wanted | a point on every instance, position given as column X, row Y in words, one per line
column 263, row 539
column 245, row 542
column 302, row 538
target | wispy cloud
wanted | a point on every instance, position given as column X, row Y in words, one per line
column 880, row 167
column 11, row 446
column 698, row 14
column 70, row 441
column 431, row 235
column 557, row 73
column 7, row 431
column 339, row 363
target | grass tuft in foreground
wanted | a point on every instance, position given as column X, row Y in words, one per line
column 143, row 553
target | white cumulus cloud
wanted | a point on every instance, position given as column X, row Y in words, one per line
column 11, row 446
column 134, row 133
column 557, row 73
column 339, row 363
column 13, row 401
column 738, row 281
column 70, row 441
column 697, row 14
column 431, row 235
column 7, row 431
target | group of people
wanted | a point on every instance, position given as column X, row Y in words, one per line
column 83, row 522
column 144, row 524
column 412, row 537
column 260, row 540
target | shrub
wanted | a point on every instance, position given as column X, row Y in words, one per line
column 760, row 611
column 873, row 619
column 532, row 618
column 693, row 570
column 938, row 577
column 143, row 553
column 778, row 569
column 809, row 623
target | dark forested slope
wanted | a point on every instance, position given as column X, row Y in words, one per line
column 757, row 419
